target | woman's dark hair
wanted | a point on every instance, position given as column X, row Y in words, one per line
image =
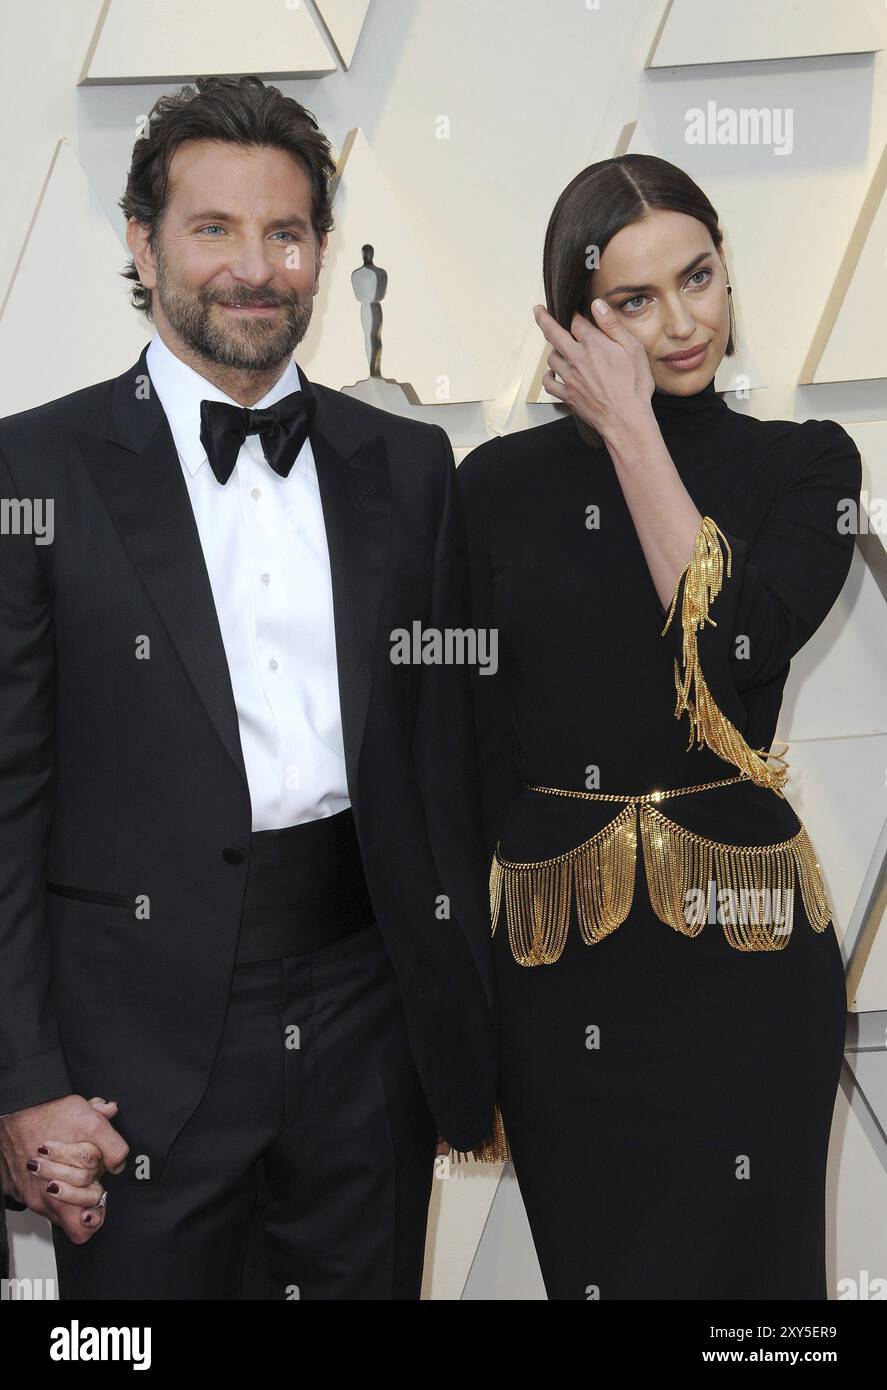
column 239, row 111
column 593, row 207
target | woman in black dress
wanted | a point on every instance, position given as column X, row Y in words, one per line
column 671, row 986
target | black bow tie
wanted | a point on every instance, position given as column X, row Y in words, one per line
column 282, row 427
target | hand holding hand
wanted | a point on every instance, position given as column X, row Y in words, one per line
column 64, row 1144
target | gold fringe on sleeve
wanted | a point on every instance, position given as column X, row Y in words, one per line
column 493, row 1150
column 704, row 578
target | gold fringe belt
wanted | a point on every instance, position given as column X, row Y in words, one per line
column 681, row 868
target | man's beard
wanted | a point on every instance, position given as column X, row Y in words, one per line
column 256, row 345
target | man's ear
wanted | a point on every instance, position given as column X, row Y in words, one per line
column 143, row 256
column 321, row 251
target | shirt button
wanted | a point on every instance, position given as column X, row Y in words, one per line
column 266, row 579
column 256, row 492
column 233, row 854
column 273, row 663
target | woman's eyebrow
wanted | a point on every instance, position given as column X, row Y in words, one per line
column 636, row 289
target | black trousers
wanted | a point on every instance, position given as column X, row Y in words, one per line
column 314, row 1134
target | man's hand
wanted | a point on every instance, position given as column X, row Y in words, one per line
column 65, row 1144
column 442, row 1146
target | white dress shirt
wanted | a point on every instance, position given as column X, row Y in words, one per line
column 265, row 547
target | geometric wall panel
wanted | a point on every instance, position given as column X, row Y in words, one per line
column 423, row 348
column 460, row 1206
column 505, row 1266
column 856, row 1201
column 866, row 1058
column 758, row 30
column 167, row 41
column 343, row 21
column 31, row 1250
column 837, row 789
column 870, row 437
column 837, row 685
column 849, row 343
column 867, row 937
column 67, row 306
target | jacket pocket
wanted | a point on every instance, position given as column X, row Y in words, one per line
column 92, row 895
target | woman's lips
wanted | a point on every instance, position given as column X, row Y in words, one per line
column 687, row 364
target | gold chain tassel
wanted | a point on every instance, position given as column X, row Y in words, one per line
column 674, row 864
column 494, row 1150
column 495, row 892
column 759, row 912
column 537, row 895
column 813, row 890
column 604, row 878
column 537, row 907
column 708, row 725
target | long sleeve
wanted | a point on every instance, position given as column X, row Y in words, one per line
column 497, row 748
column 32, row 1065
column 743, row 609
column 443, row 736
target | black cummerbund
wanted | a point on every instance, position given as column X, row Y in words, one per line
column 305, row 888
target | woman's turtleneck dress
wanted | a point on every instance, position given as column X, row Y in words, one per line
column 667, row 1096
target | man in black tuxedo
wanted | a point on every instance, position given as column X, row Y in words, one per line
column 244, row 934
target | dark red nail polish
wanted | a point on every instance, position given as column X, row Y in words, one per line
column 43, row 1149
column 33, row 1165
column 53, row 1187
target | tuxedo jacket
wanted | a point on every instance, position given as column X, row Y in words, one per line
column 122, row 780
